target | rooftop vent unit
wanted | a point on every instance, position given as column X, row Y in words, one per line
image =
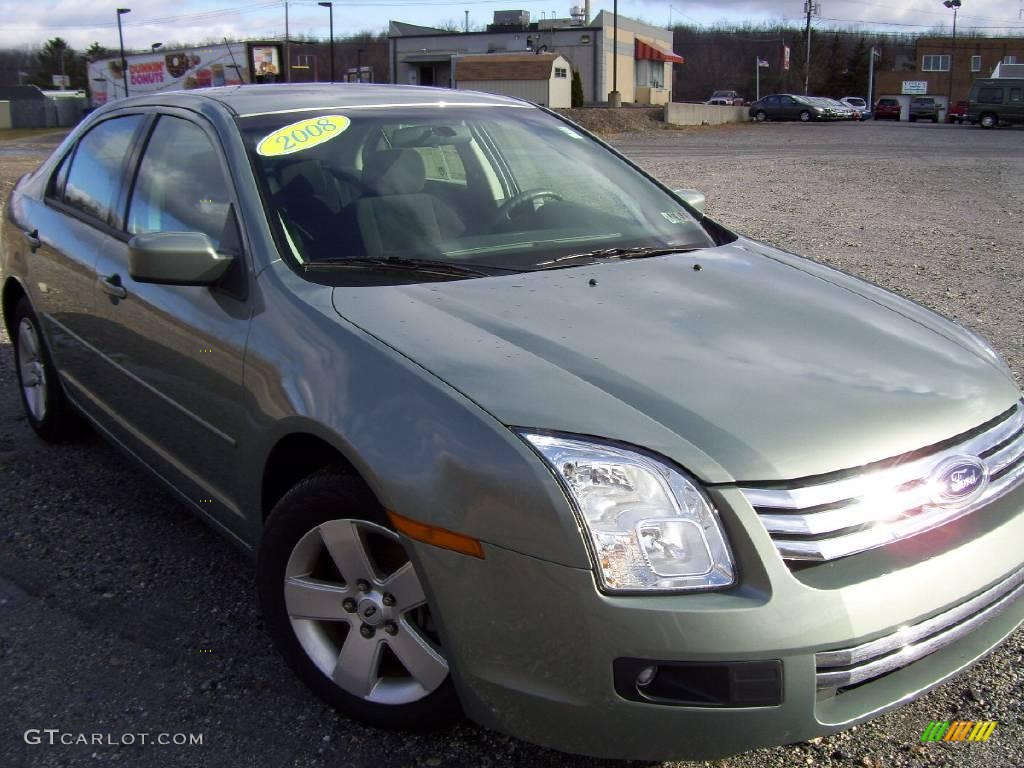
column 510, row 20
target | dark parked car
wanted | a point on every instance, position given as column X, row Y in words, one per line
column 924, row 108
column 887, row 109
column 512, row 429
column 787, row 106
column 998, row 101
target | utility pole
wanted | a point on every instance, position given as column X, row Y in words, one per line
column 287, row 48
column 330, row 8
column 615, row 98
column 810, row 8
column 955, row 5
column 875, row 54
column 120, row 36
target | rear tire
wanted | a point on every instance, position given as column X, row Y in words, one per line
column 345, row 606
column 47, row 410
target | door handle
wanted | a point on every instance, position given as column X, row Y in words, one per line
column 111, row 285
column 33, row 239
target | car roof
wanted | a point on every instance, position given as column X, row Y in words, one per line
column 247, row 100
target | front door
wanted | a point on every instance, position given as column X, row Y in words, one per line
column 175, row 353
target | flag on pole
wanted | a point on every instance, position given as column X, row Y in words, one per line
column 762, row 63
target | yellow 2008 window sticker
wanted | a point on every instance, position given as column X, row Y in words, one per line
column 302, row 135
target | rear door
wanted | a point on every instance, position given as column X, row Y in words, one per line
column 72, row 225
column 175, row 353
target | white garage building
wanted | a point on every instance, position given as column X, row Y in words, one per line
column 543, row 78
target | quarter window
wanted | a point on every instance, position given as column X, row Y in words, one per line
column 990, row 96
column 94, row 179
column 180, row 186
column 975, row 63
column 936, row 63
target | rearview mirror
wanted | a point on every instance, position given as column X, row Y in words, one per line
column 175, row 258
column 694, row 198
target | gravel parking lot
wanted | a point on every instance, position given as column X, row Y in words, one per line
column 122, row 614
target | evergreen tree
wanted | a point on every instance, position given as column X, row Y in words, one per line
column 56, row 57
column 577, row 89
column 857, row 71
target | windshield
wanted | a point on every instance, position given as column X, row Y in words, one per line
column 507, row 187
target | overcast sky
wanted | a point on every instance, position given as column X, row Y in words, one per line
column 83, row 21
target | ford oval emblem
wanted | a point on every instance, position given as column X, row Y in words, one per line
column 958, row 480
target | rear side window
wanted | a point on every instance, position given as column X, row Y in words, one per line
column 1015, row 95
column 990, row 96
column 94, row 179
column 180, row 186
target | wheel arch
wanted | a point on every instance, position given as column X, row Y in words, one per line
column 294, row 457
column 12, row 293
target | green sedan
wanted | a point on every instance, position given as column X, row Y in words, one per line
column 511, row 429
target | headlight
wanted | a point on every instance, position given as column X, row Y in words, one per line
column 650, row 528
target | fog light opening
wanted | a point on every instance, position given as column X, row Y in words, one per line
column 646, row 676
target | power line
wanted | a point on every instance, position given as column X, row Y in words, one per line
column 199, row 16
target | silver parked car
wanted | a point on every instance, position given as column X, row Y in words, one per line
column 513, row 429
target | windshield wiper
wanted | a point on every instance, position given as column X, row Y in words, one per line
column 397, row 264
column 639, row 252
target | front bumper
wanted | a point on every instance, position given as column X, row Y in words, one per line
column 533, row 644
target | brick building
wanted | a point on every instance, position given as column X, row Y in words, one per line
column 935, row 62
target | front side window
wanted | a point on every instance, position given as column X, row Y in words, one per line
column 936, row 63
column 507, row 187
column 180, row 185
column 94, row 178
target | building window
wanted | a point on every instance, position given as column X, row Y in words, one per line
column 649, row 74
column 936, row 63
column 975, row 63
column 1009, row 60
column 561, row 72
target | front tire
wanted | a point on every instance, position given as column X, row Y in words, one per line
column 346, row 608
column 761, row 116
column 805, row 116
column 988, row 120
column 46, row 408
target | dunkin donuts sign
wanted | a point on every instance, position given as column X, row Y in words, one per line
column 169, row 71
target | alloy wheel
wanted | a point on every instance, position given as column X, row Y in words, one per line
column 360, row 613
column 31, row 370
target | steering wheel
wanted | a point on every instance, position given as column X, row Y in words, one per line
column 507, row 208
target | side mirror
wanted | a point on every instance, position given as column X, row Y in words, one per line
column 694, row 198
column 175, row 258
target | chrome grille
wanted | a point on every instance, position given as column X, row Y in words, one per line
column 833, row 519
column 850, row 666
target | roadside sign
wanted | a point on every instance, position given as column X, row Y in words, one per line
column 61, row 81
column 915, row 87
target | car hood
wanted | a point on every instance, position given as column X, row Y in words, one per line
column 740, row 362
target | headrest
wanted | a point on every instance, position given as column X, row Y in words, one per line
column 395, row 172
